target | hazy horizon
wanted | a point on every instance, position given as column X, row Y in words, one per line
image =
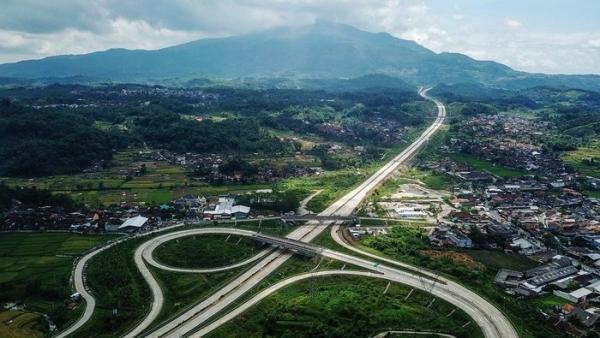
column 561, row 38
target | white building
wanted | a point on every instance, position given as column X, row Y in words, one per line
column 226, row 209
column 134, row 223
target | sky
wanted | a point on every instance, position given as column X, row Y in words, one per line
column 547, row 36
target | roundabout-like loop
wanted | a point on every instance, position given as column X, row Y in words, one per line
column 148, row 253
column 143, row 254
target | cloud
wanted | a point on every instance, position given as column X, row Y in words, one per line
column 513, row 24
column 593, row 43
column 119, row 33
column 38, row 28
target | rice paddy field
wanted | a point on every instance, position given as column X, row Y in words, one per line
column 35, row 269
column 161, row 183
column 584, row 160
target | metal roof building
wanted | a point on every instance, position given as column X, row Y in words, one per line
column 134, row 222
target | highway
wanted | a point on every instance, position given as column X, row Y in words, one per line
column 78, row 280
column 492, row 322
column 144, row 252
column 148, row 248
column 286, row 282
column 200, row 313
column 490, row 319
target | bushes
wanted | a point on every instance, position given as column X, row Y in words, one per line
column 33, row 197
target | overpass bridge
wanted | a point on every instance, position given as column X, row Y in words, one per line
column 299, row 247
column 318, row 218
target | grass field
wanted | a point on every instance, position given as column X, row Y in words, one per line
column 479, row 164
column 430, row 179
column 580, row 160
column 35, row 269
column 345, row 307
column 206, row 251
column 334, row 184
column 18, row 324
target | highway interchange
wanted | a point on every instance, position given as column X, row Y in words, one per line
column 199, row 319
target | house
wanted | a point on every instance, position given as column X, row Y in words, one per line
column 577, row 296
column 512, row 188
column 526, row 247
column 225, row 209
column 508, row 278
column 443, row 236
column 557, row 184
column 537, row 283
column 240, row 211
column 460, row 240
column 190, row 201
column 410, row 212
column 587, row 317
column 475, row 176
column 133, row 223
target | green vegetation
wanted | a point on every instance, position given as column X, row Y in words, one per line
column 17, row 324
column 474, row 108
column 162, row 128
column 430, row 179
column 333, row 183
column 206, row 251
column 584, row 160
column 122, row 295
column 479, row 164
column 35, row 269
column 593, row 194
column 473, row 268
column 161, row 183
column 117, row 284
column 33, row 197
column 74, row 127
column 345, row 307
column 38, row 143
column 253, row 130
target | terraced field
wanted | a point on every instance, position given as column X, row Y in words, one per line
column 35, row 270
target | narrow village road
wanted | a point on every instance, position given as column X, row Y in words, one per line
column 302, row 210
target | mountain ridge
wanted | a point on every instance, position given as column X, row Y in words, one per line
column 323, row 50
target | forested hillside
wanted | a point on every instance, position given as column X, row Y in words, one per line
column 66, row 129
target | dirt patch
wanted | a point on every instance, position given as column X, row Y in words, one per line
column 455, row 257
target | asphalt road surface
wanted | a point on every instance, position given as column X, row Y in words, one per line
column 490, row 319
column 78, row 280
column 199, row 314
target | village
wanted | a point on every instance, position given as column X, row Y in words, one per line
column 520, row 199
column 125, row 218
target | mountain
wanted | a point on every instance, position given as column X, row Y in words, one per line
column 323, row 50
